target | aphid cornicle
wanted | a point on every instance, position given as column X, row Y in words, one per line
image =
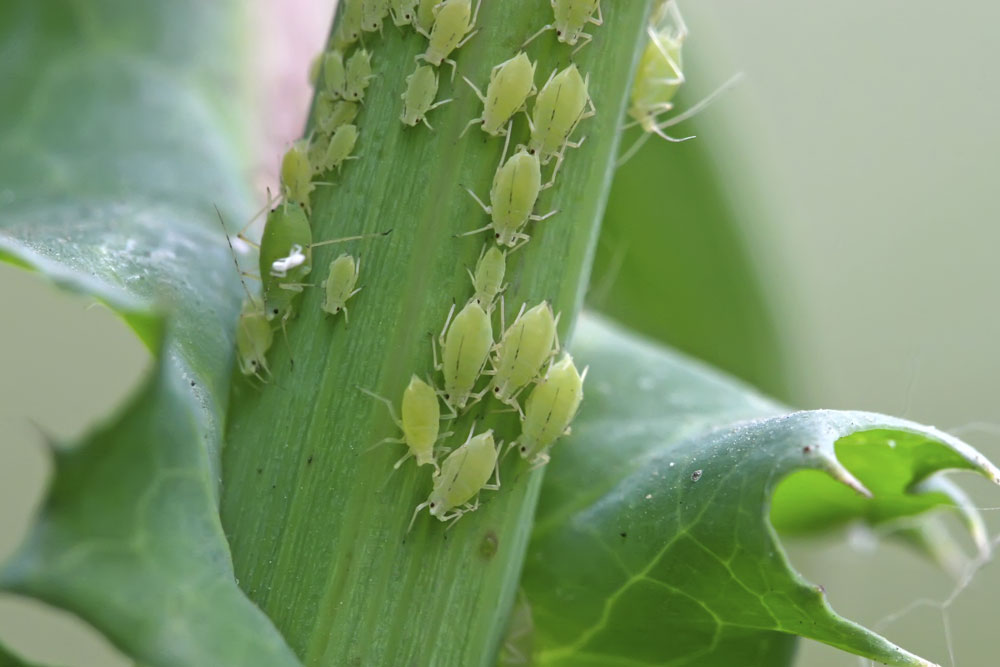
column 511, row 83
column 453, row 26
column 340, row 284
column 404, row 12
column 549, row 410
column 418, row 98
column 488, row 277
column 464, row 473
column 570, row 19
column 523, row 349
column 465, row 343
column 373, row 12
column 296, row 173
column 420, row 423
column 357, row 73
column 561, row 104
column 253, row 339
column 516, row 186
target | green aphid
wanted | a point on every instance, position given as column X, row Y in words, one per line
column 465, row 343
column 348, row 25
column 334, row 74
column 464, row 474
column 511, row 83
column 420, row 423
column 358, row 72
column 340, row 284
column 404, row 12
column 331, row 114
column 297, row 173
column 487, row 280
column 373, row 12
column 550, row 410
column 559, row 107
column 570, row 19
column 453, row 26
column 253, row 339
column 418, row 98
column 522, row 351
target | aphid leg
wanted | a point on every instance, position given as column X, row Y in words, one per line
column 475, row 15
column 388, row 404
column 539, row 218
column 539, row 461
column 495, row 486
column 478, row 92
column 416, row 511
column 555, row 171
column 599, row 20
column 633, row 149
column 584, row 40
column 532, row 38
column 681, row 117
column 520, row 240
column 488, row 210
column 454, row 65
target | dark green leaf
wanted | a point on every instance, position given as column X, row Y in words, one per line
column 653, row 544
column 111, row 156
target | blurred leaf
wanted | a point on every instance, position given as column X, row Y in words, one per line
column 673, row 261
column 109, row 154
column 8, row 659
column 652, row 542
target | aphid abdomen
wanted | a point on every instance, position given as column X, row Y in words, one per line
column 522, row 351
column 550, row 408
column 286, row 226
column 466, row 347
column 421, row 419
column 466, row 471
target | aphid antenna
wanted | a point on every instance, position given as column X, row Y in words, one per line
column 236, row 262
column 344, row 239
column 704, row 102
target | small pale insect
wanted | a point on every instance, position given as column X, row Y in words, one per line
column 315, row 65
column 348, row 26
column 373, row 12
column 524, row 347
column 464, row 474
column 404, row 12
column 340, row 284
column 418, row 99
column 465, row 343
column 559, row 107
column 358, row 72
column 340, row 147
column 488, row 278
column 287, row 226
column 330, row 115
column 425, row 16
column 420, row 423
column 453, row 26
column 334, row 74
column 296, row 173
column 253, row 339
column 550, row 409
column 570, row 19
column 511, row 83
column 516, row 186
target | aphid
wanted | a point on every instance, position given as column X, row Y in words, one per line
column 287, row 227
column 372, row 14
column 418, row 99
column 465, row 347
column 315, row 65
column 253, row 331
column 560, row 106
column 464, row 473
column 515, row 189
column 358, row 72
column 340, row 284
column 253, row 339
column 488, row 278
column 511, row 83
column 425, row 16
column 550, row 409
column 420, row 424
column 570, row 18
column 658, row 78
column 329, row 116
column 349, row 25
column 522, row 350
column 334, row 74
column 453, row 21
column 403, row 12
column 339, row 148
column 296, row 173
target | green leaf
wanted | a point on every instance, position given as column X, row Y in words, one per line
column 112, row 155
column 653, row 544
column 8, row 659
column 316, row 518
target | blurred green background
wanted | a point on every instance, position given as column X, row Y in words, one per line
column 830, row 236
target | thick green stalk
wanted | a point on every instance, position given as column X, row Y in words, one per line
column 318, row 524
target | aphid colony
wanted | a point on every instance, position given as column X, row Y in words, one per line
column 524, row 359
column 472, row 362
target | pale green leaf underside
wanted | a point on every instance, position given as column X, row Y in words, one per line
column 653, row 543
column 111, row 157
